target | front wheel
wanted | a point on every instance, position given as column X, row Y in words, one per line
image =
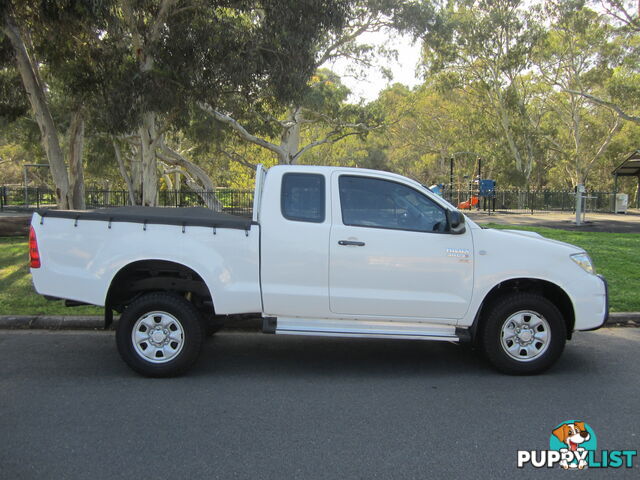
column 523, row 334
column 160, row 335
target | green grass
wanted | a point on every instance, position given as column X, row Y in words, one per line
column 615, row 256
column 17, row 295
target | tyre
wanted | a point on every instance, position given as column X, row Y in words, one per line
column 160, row 335
column 523, row 334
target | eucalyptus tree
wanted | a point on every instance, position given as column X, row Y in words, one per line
column 486, row 47
column 622, row 92
column 180, row 52
column 291, row 129
column 322, row 116
column 39, row 35
column 150, row 60
column 575, row 57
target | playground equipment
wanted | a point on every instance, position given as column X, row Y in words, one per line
column 438, row 189
column 478, row 188
column 488, row 194
column 472, row 202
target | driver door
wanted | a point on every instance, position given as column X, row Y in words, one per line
column 391, row 255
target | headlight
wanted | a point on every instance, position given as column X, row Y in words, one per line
column 584, row 261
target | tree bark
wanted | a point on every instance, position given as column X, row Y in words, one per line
column 290, row 138
column 38, row 101
column 76, row 171
column 125, row 175
column 148, row 142
column 136, row 174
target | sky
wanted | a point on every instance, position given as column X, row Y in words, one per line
column 403, row 70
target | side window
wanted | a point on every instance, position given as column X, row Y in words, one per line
column 372, row 202
column 302, row 197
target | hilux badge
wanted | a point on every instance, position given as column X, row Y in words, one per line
column 458, row 252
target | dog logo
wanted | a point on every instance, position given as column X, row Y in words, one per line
column 573, row 446
column 573, row 440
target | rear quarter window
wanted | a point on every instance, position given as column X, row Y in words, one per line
column 303, row 197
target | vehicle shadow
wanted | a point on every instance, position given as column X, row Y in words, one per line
column 283, row 356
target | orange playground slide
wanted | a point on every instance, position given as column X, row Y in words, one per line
column 468, row 204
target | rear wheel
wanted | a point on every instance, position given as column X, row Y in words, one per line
column 523, row 334
column 160, row 335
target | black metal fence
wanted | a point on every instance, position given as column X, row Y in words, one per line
column 523, row 201
column 240, row 202
column 20, row 197
column 235, row 202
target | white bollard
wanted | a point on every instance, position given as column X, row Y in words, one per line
column 580, row 190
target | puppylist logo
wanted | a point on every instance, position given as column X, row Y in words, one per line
column 573, row 446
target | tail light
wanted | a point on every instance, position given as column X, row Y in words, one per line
column 34, row 255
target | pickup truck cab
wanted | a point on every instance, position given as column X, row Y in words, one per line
column 330, row 251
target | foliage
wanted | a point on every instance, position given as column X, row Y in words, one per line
column 506, row 81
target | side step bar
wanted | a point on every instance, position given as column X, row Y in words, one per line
column 360, row 328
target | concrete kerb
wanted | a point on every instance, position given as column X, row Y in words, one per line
column 26, row 322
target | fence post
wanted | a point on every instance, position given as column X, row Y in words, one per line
column 531, row 196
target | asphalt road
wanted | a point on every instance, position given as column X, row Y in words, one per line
column 259, row 406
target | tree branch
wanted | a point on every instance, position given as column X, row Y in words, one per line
column 241, row 131
column 604, row 103
column 331, row 138
column 604, row 144
column 237, row 158
column 170, row 156
column 204, row 187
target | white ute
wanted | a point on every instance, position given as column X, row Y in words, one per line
column 330, row 251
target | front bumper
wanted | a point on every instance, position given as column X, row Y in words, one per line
column 606, row 305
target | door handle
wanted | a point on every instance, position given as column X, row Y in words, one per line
column 349, row 242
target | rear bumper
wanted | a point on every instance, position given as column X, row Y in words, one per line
column 606, row 306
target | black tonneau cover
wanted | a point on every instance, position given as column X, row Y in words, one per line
column 185, row 217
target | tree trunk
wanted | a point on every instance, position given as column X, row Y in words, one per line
column 204, row 184
column 37, row 99
column 125, row 175
column 136, row 175
column 168, row 181
column 148, row 157
column 76, row 171
column 290, row 138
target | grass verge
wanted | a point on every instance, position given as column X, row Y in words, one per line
column 615, row 256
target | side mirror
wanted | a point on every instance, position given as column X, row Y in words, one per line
column 456, row 222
